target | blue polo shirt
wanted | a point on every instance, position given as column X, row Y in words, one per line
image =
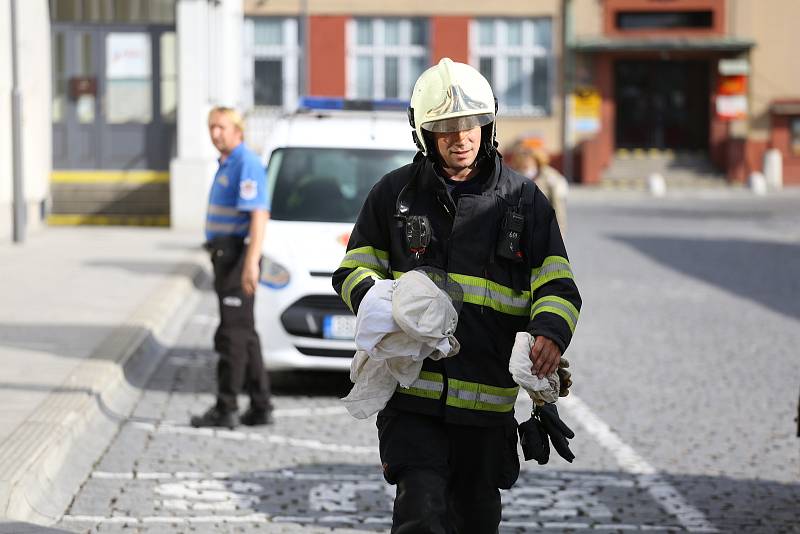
column 240, row 186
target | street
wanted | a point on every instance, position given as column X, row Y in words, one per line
column 686, row 380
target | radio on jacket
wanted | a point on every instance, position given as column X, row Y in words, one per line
column 510, row 232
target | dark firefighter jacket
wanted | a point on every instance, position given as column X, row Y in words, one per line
column 536, row 293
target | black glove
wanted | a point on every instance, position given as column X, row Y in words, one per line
column 559, row 433
column 564, row 377
column 534, row 442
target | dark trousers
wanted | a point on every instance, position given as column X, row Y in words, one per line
column 448, row 476
column 240, row 367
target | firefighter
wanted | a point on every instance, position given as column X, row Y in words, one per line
column 449, row 442
column 238, row 210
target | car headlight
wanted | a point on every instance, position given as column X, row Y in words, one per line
column 273, row 274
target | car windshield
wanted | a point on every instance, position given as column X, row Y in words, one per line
column 326, row 184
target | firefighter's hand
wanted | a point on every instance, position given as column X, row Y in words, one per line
column 555, row 428
column 250, row 274
column 545, row 355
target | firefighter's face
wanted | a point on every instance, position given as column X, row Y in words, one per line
column 458, row 150
column 224, row 133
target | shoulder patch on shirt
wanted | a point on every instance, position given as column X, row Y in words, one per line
column 248, row 189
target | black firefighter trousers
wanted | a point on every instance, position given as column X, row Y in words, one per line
column 240, row 367
column 448, row 476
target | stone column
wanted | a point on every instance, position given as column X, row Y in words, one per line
column 210, row 58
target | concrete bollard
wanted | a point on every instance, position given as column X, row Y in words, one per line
column 757, row 183
column 773, row 168
column 656, row 185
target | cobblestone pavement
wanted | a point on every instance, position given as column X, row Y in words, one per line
column 686, row 376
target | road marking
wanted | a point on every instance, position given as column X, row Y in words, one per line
column 666, row 495
column 209, row 495
column 332, row 519
column 341, row 496
column 252, row 436
column 310, row 412
column 192, row 475
column 249, row 518
column 203, row 319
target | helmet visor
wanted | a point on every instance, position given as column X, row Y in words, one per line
column 459, row 124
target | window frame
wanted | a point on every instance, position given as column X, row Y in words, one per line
column 289, row 53
column 404, row 51
column 528, row 52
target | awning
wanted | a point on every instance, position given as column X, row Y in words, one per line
column 785, row 107
column 662, row 44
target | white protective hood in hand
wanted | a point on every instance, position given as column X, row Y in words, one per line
column 540, row 390
column 399, row 324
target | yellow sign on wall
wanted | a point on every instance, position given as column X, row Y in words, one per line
column 586, row 111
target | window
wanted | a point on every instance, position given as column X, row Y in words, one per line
column 326, row 184
column 794, row 132
column 385, row 57
column 663, row 20
column 169, row 77
column 273, row 46
column 129, row 93
column 516, row 56
column 113, row 11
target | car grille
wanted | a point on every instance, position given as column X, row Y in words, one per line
column 304, row 317
column 332, row 353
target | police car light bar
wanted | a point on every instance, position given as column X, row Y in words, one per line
column 326, row 103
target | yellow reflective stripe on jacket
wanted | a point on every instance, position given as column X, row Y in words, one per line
column 558, row 306
column 483, row 292
column 552, row 267
column 369, row 257
column 352, row 280
column 462, row 394
column 428, row 385
column 474, row 396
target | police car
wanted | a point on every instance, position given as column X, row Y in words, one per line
column 321, row 163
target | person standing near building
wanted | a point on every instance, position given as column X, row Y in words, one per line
column 238, row 211
column 534, row 163
column 449, row 441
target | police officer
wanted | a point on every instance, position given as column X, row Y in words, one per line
column 238, row 210
column 449, row 441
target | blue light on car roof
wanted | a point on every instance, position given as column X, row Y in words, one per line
column 321, row 102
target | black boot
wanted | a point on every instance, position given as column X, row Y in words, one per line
column 255, row 417
column 216, row 417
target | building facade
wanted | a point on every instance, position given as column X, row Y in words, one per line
column 714, row 77
column 114, row 94
column 700, row 84
column 114, row 106
column 367, row 50
column 30, row 153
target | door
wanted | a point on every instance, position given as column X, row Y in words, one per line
column 113, row 97
column 662, row 104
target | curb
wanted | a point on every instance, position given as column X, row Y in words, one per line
column 46, row 459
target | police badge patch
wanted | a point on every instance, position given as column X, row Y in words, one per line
column 248, row 189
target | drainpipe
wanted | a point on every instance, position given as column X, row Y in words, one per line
column 19, row 208
column 566, row 88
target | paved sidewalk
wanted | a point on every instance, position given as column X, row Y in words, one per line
column 86, row 315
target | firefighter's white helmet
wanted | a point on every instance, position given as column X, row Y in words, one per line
column 450, row 97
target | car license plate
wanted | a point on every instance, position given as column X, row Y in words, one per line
column 339, row 327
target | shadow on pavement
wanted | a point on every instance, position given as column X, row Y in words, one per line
column 200, row 281
column 355, row 496
column 761, row 271
column 188, row 360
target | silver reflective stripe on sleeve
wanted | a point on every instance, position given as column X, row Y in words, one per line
column 226, row 228
column 214, row 209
